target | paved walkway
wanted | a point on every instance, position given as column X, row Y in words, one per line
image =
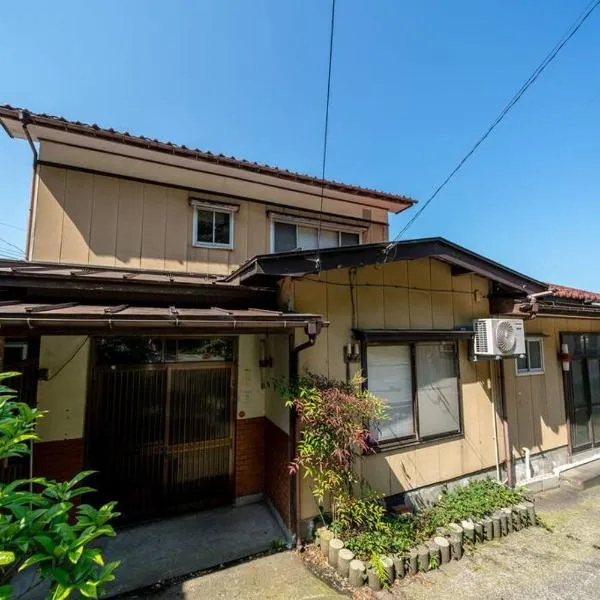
column 277, row 577
column 173, row 547
column 533, row 564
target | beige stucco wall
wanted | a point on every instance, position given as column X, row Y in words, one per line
column 454, row 302
column 251, row 393
column 64, row 394
column 276, row 410
column 85, row 218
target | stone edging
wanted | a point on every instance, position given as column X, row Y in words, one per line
column 448, row 544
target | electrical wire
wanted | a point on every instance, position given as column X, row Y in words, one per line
column 325, row 134
column 573, row 29
column 17, row 247
column 75, row 353
column 10, row 254
column 353, row 285
column 11, row 226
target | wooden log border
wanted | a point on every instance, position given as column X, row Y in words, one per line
column 449, row 543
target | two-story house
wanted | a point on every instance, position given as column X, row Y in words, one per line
column 165, row 288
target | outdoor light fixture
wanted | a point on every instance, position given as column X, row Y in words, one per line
column 565, row 358
column 352, row 352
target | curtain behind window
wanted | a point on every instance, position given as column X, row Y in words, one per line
column 390, row 378
column 437, row 393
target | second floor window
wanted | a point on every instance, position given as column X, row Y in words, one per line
column 213, row 227
column 294, row 236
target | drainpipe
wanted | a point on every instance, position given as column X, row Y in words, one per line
column 505, row 431
column 25, row 119
column 312, row 331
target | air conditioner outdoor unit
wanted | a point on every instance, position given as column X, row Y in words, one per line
column 498, row 338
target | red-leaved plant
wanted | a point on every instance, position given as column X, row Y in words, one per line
column 333, row 420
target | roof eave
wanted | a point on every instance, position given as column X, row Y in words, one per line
column 296, row 264
column 10, row 120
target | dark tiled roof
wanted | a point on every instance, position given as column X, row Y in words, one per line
column 569, row 293
column 16, row 268
column 124, row 137
column 15, row 313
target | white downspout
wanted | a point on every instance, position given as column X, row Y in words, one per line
column 492, row 387
column 527, row 453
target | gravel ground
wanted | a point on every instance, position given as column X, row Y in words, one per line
column 531, row 564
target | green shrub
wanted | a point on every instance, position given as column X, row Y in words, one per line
column 367, row 530
column 475, row 500
column 41, row 525
column 393, row 536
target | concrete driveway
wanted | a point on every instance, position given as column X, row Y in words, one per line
column 277, row 577
column 533, row 564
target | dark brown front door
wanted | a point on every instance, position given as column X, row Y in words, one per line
column 583, row 389
column 161, row 436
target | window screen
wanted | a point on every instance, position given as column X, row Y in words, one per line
column 390, row 378
column 329, row 239
column 533, row 361
column 284, row 237
column 307, row 238
column 349, row 239
column 437, row 391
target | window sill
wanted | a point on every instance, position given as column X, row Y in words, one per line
column 414, row 443
column 528, row 373
column 212, row 246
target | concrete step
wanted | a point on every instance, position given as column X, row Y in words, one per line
column 583, row 477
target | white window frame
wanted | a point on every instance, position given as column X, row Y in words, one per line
column 529, row 370
column 227, row 209
column 304, row 222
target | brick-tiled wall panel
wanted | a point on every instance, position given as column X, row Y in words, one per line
column 249, row 456
column 277, row 477
column 59, row 460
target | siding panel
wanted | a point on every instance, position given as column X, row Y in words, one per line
column 153, row 227
column 177, row 223
column 77, row 218
column 103, row 230
column 129, row 224
column 49, row 214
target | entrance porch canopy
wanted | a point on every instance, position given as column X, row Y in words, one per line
column 17, row 318
column 48, row 298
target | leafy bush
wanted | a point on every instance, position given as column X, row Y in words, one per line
column 358, row 514
column 394, row 536
column 475, row 500
column 380, row 534
column 332, row 417
column 40, row 523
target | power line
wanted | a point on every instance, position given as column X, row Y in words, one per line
column 388, row 285
column 11, row 226
column 2, row 240
column 573, row 29
column 326, row 131
column 10, row 252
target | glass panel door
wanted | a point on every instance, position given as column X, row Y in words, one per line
column 580, row 426
column 594, row 385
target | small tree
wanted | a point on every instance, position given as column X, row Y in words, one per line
column 333, row 418
column 41, row 525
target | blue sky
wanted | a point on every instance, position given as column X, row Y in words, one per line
column 414, row 84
